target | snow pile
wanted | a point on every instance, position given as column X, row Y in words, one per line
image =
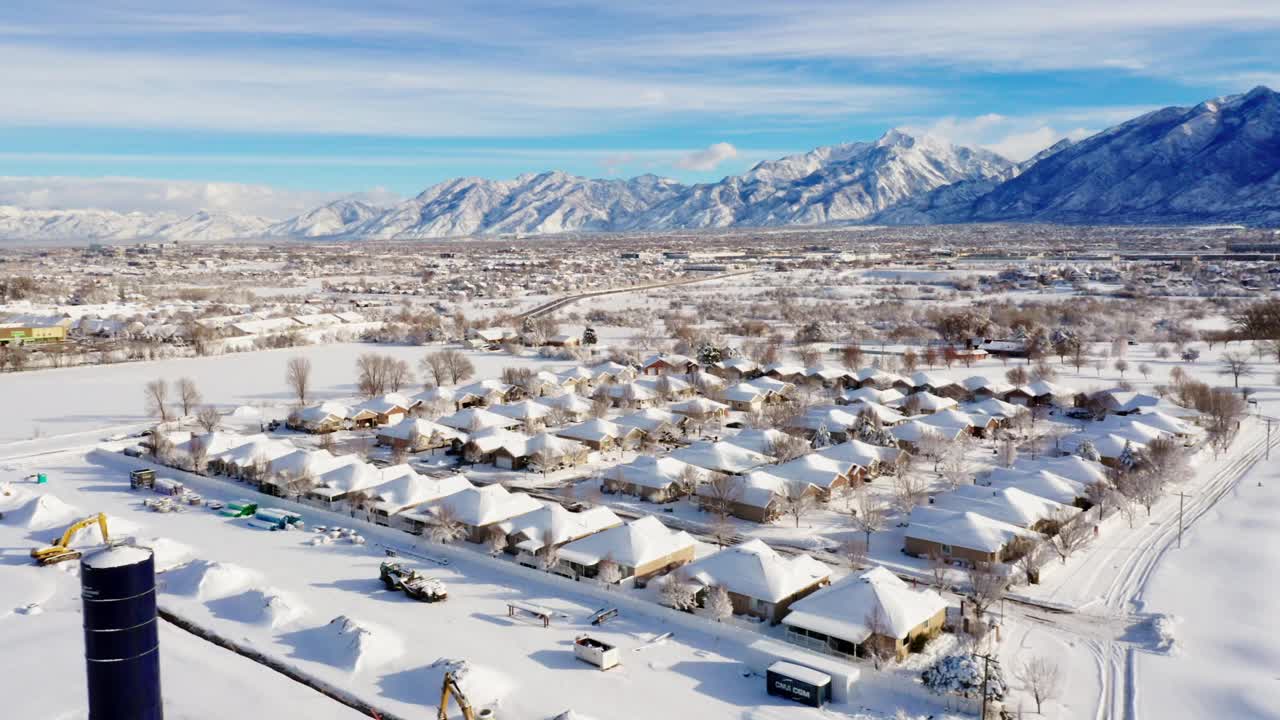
column 246, row 411
column 24, row 586
column 11, row 496
column 482, row 685
column 206, row 580
column 91, row 534
column 357, row 645
column 169, row 554
column 44, row 512
column 1162, row 626
column 260, row 606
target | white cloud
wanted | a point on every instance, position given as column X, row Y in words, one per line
column 1018, row 138
column 708, row 159
column 124, row 194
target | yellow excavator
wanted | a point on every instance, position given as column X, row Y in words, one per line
column 450, row 687
column 59, row 552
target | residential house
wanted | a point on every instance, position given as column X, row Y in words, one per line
column 964, row 536
column 871, row 612
column 416, row 435
column 602, row 435
column 656, row 479
column 761, row 582
column 641, row 549
column 531, row 535
column 721, row 457
column 476, row 509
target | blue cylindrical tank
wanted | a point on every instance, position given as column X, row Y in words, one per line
column 121, row 640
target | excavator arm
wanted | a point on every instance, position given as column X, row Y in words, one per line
column 448, row 688
column 59, row 550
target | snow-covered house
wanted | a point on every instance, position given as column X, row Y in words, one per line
column 656, row 479
column 416, row 434
column 476, row 509
column 659, row 425
column 335, row 485
column 924, row 403
column 700, row 409
column 761, row 582
column 641, row 549
column 250, row 460
column 879, row 379
column 863, row 613
column 823, row 473
column 403, row 490
column 384, row 410
column 602, row 435
column 529, row 535
column 485, row 392
column 883, row 414
column 531, row 415
column 1007, row 504
column 721, row 457
column 1039, row 482
column 322, row 417
column 574, row 407
column 874, row 459
column 965, row 536
column 911, row 434
column 668, row 363
column 482, row 444
column 758, row 440
column 543, row 451
column 735, row 369
column 473, row 419
column 756, row 496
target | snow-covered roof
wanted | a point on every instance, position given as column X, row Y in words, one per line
column 213, row 443
column 490, row 439
column 913, row 431
column 302, row 462
column 1042, row 483
column 1074, row 468
column 524, row 410
column 482, row 388
column 325, row 411
column 637, row 543
column 831, row 417
column 648, row 471
column 384, row 404
column 563, row 525
column 650, row 420
column 698, row 406
column 961, row 529
column 350, row 475
column 408, row 426
column 569, row 402
column 886, row 415
column 254, row 447
column 481, row 506
column 758, row 489
column 474, row 418
column 406, row 490
column 856, row 452
column 817, row 470
column 757, row 440
column 758, row 571
column 721, row 457
column 926, row 402
column 849, row 606
column 927, row 379
column 870, row 394
column 952, row 418
column 595, row 430
column 1006, row 504
column 996, row 408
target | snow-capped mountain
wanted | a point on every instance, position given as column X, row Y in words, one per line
column 1216, row 162
column 842, row 183
column 28, row 225
column 549, row 202
column 327, row 220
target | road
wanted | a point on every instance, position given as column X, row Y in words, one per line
column 556, row 304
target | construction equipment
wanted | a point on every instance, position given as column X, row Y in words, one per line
column 58, row 551
column 415, row 585
column 448, row 688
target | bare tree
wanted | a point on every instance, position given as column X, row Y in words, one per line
column 987, row 585
column 678, row 592
column 209, row 418
column 295, row 486
column 459, row 366
column 156, row 393
column 600, row 404
column 855, row 551
column 955, row 467
column 719, row 604
column 877, row 623
column 786, row 447
column 869, row 515
column 720, row 493
column 398, row 374
column 723, row 531
column 939, row 570
column 909, row 490
column 797, row 500
column 371, row 370
column 1237, row 365
column 1168, row 460
column 446, row 527
column 199, row 454
column 1028, row 562
column 1121, row 365
column 608, row 571
column 188, row 395
column 495, row 540
column 161, row 445
column 435, row 369
column 1071, row 536
column 550, row 553
column 298, row 376
column 1041, row 678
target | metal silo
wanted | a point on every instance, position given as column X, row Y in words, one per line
column 121, row 639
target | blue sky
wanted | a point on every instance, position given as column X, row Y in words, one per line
column 271, row 107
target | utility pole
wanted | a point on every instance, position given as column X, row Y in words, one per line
column 1182, row 497
column 987, row 660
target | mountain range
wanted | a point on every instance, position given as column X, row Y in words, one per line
column 1216, row 162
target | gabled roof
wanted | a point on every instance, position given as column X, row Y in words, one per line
column 385, row 404
column 817, row 470
column 523, row 411
column 405, row 429
column 846, row 608
column 563, row 525
column 648, row 471
column 721, row 457
column 996, row 408
column 481, row 506
column 886, row 415
column 757, row 440
column 926, row 401
column 757, row 571
column 856, row 452
column 406, row 490
column 349, row 475
column 474, row 418
column 1006, row 504
column 302, row 462
column 569, row 402
column 758, row 489
column 698, row 406
column 913, row 431
column 961, row 529
column 490, row 439
column 1041, row 483
column 595, row 430
column 636, row 543
column 253, row 447
column 324, row 411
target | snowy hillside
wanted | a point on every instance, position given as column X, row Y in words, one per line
column 327, row 220
column 28, row 225
column 1216, row 162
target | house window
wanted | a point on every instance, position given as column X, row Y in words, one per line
column 946, row 549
